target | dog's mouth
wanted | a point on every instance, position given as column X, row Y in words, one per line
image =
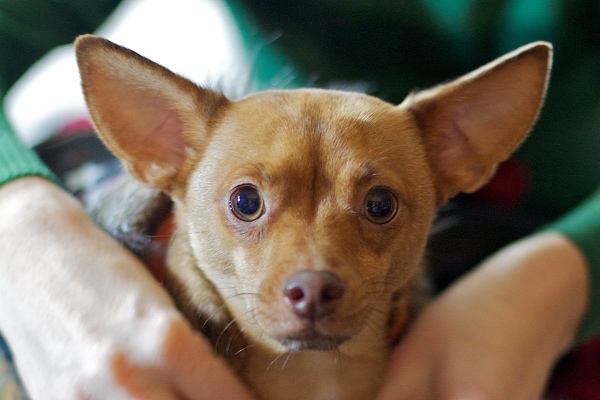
column 312, row 340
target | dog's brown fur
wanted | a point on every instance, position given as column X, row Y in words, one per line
column 316, row 157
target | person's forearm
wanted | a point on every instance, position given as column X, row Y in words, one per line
column 551, row 275
column 582, row 226
column 83, row 316
column 50, row 289
column 497, row 332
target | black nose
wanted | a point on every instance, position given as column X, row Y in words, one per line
column 313, row 294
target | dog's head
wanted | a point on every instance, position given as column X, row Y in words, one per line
column 309, row 209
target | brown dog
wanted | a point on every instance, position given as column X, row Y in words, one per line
column 302, row 215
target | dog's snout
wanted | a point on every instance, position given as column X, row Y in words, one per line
column 313, row 294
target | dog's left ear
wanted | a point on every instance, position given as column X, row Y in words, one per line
column 471, row 124
column 154, row 120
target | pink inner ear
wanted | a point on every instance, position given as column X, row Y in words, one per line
column 142, row 110
column 143, row 129
column 471, row 124
column 162, row 150
column 163, row 143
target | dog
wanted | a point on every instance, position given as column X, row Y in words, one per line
column 302, row 215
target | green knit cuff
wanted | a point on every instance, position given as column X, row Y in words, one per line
column 582, row 226
column 16, row 160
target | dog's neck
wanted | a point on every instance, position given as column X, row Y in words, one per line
column 353, row 371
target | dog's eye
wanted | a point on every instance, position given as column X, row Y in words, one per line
column 380, row 205
column 246, row 203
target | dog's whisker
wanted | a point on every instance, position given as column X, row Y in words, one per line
column 369, row 330
column 383, row 285
column 377, row 316
column 286, row 360
column 372, row 309
column 229, row 325
column 250, row 315
column 374, row 320
column 239, row 333
column 231, row 343
column 237, row 294
column 207, row 320
column 245, row 348
column 274, row 361
column 380, row 292
column 338, row 359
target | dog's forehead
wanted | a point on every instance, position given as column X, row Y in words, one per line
column 314, row 117
column 331, row 105
column 292, row 125
column 317, row 135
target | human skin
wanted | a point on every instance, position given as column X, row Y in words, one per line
column 84, row 317
column 496, row 333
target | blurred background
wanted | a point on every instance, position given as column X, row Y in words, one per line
column 386, row 48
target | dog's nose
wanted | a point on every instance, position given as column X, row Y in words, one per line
column 312, row 294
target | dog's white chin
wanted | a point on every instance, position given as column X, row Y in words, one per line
column 312, row 341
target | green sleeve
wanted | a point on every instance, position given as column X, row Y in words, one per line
column 582, row 226
column 16, row 160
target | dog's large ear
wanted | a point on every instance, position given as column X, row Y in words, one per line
column 154, row 120
column 471, row 124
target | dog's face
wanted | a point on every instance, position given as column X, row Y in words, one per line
column 309, row 209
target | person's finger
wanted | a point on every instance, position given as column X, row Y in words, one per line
column 408, row 373
column 195, row 364
column 141, row 382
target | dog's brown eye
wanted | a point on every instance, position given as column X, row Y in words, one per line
column 380, row 205
column 246, row 203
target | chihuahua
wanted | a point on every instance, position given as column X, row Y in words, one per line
column 302, row 215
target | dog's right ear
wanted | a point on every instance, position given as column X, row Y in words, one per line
column 473, row 123
column 157, row 122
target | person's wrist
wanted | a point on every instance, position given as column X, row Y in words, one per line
column 572, row 285
column 34, row 191
column 546, row 283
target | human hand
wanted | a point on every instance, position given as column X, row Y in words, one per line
column 498, row 331
column 84, row 318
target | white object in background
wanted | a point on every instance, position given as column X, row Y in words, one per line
column 194, row 38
